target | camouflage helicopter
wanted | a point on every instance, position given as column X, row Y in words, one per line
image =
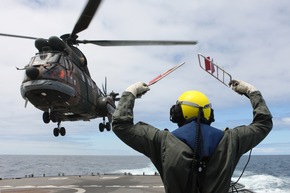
column 58, row 82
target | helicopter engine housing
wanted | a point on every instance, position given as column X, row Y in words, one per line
column 106, row 106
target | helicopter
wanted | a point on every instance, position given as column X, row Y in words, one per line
column 57, row 80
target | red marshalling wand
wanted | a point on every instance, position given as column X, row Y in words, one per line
column 159, row 77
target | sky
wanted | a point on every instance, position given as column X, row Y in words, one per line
column 249, row 39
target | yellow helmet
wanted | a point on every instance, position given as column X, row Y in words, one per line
column 191, row 101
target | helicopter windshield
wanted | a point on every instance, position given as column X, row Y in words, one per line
column 44, row 58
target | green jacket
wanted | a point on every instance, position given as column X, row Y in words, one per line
column 173, row 159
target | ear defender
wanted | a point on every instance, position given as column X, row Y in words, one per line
column 211, row 117
column 176, row 115
column 204, row 120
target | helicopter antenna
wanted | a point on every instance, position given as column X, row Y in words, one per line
column 105, row 87
column 26, row 102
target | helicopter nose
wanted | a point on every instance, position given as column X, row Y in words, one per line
column 32, row 72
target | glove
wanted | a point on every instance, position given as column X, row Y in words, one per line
column 138, row 89
column 242, row 87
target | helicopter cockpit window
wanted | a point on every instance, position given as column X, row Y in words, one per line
column 69, row 64
column 63, row 63
column 44, row 58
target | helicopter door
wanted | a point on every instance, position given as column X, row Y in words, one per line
column 83, row 84
column 90, row 89
column 77, row 79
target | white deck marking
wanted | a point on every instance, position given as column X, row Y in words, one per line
column 110, row 177
column 62, row 178
column 92, row 186
column 115, row 186
column 158, row 186
column 138, row 186
column 73, row 187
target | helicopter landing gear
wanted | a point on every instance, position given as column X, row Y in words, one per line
column 104, row 125
column 53, row 116
column 59, row 130
column 46, row 117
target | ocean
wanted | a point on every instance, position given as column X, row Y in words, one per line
column 264, row 173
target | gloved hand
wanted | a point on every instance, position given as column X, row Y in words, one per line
column 242, row 87
column 138, row 89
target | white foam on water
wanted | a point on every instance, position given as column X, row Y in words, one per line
column 263, row 183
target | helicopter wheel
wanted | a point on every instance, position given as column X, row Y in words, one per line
column 102, row 127
column 59, row 130
column 62, row 131
column 53, row 116
column 56, row 132
column 108, row 126
column 45, row 117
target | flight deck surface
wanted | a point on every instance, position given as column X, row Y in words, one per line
column 90, row 184
column 84, row 184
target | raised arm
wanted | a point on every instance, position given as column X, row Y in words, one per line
column 251, row 135
column 141, row 136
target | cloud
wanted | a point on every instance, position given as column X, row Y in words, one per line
column 282, row 123
column 272, row 149
column 286, row 120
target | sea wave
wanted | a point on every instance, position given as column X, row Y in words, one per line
column 263, row 183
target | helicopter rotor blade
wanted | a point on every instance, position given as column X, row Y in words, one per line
column 18, row 36
column 86, row 16
column 135, row 42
